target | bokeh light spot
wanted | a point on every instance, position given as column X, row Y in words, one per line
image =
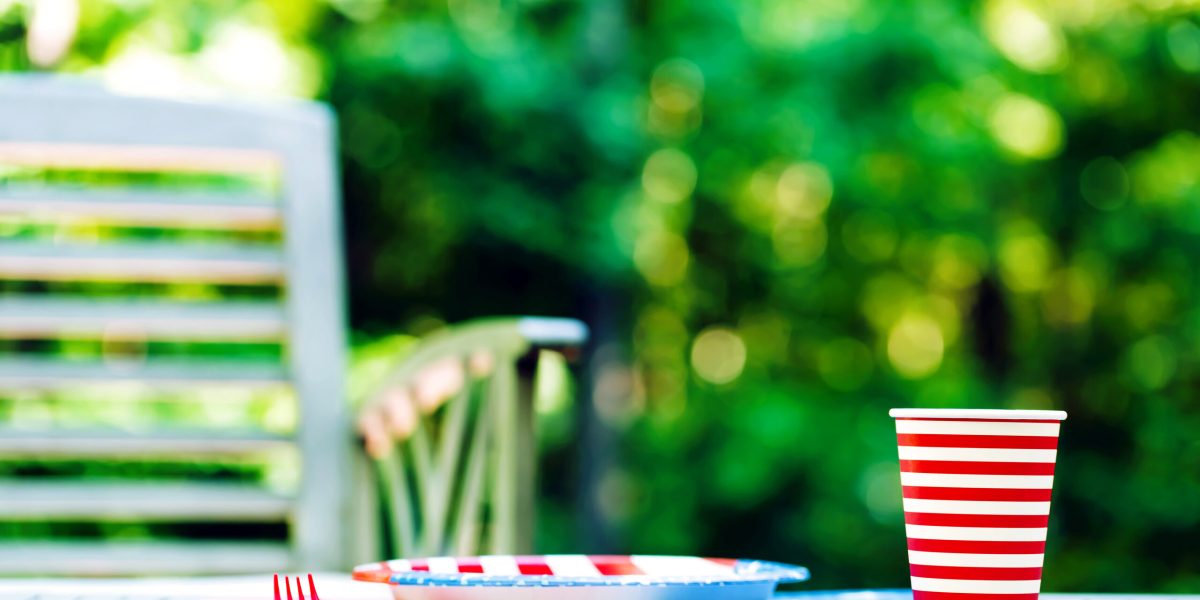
column 1025, row 258
column 677, row 85
column 486, row 26
column 767, row 334
column 1026, row 127
column 804, row 190
column 616, row 495
column 662, row 257
column 1166, row 174
column 1070, row 297
column 958, row 261
column 1097, row 79
column 1151, row 363
column 1024, row 36
column 946, row 313
column 756, row 204
column 718, row 355
column 915, row 346
column 798, row 242
column 884, row 299
column 359, row 10
column 615, row 395
column 1149, row 304
column 669, row 176
column 1183, row 44
column 51, row 29
column 254, row 59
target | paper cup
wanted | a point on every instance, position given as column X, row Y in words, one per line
column 976, row 500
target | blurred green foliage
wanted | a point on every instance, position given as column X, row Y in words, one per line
column 786, row 216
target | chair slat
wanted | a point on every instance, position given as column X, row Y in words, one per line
column 27, row 317
column 113, row 557
column 110, row 443
column 173, row 501
column 41, row 373
column 151, row 262
column 145, row 207
column 124, row 157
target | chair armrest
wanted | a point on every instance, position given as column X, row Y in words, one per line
column 552, row 331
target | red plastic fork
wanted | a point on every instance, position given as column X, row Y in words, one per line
column 287, row 584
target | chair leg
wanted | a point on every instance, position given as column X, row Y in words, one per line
column 364, row 528
column 527, row 481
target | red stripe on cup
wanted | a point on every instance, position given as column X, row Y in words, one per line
column 947, row 440
column 976, row 547
column 533, row 565
column 954, row 467
column 418, row 564
column 947, row 520
column 615, row 565
column 469, row 565
column 977, row 573
column 979, row 494
column 919, row 595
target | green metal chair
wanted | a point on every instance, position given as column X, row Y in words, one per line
column 450, row 435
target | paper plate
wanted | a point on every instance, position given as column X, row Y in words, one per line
column 581, row 577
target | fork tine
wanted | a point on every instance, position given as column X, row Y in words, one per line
column 277, row 587
column 287, row 583
column 299, row 589
column 312, row 588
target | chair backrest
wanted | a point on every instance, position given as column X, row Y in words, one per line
column 171, row 335
column 463, row 481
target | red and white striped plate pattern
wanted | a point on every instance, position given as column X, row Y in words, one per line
column 559, row 565
column 976, row 503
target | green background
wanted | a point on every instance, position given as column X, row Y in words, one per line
column 781, row 218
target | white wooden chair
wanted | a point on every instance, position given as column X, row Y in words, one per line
column 280, row 239
column 143, row 168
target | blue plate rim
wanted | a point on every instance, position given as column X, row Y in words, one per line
column 745, row 572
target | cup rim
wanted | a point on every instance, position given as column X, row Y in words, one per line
column 990, row 414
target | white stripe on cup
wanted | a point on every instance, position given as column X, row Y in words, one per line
column 978, row 454
column 677, row 565
column 962, row 559
column 442, row 564
column 977, row 534
column 571, row 565
column 975, row 507
column 499, row 565
column 977, row 428
column 972, row 586
column 1015, row 482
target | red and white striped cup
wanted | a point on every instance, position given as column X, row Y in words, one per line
column 976, row 500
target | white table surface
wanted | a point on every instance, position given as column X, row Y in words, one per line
column 330, row 586
column 339, row 586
